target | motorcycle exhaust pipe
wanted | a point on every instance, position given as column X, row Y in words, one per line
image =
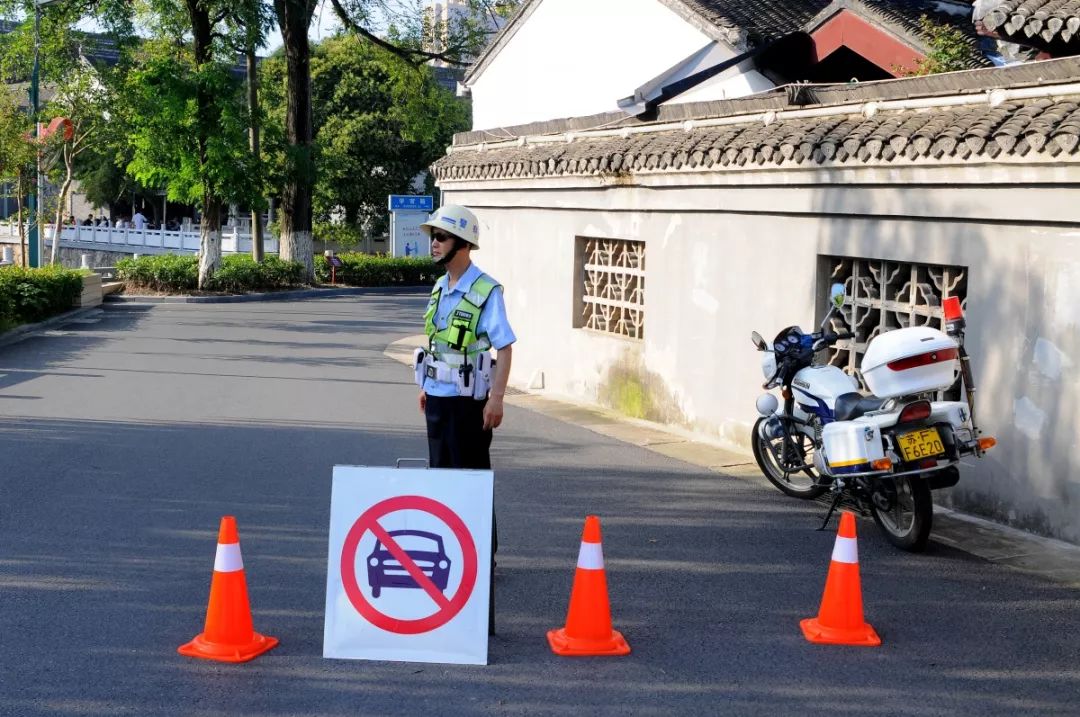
column 771, row 429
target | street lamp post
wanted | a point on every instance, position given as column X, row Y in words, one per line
column 35, row 258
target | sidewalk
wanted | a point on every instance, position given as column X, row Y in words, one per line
column 1052, row 559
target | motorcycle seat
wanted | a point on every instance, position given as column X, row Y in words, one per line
column 850, row 406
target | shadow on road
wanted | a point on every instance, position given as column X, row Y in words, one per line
column 109, row 533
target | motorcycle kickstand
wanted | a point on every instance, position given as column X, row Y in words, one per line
column 832, row 509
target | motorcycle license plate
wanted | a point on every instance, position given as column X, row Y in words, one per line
column 924, row 443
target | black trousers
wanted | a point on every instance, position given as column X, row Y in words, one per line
column 457, row 439
column 456, row 435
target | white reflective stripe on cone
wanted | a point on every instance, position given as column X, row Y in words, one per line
column 228, row 558
column 846, row 550
column 591, row 556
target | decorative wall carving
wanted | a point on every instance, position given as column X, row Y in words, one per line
column 886, row 295
column 613, row 286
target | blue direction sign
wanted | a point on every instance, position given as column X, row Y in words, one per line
column 411, row 203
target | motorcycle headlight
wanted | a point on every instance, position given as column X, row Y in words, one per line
column 768, row 365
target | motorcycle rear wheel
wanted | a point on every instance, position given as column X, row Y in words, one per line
column 907, row 523
column 800, row 484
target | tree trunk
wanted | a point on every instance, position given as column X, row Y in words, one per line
column 209, row 240
column 294, row 18
column 24, row 248
column 253, row 136
column 58, row 226
column 207, row 118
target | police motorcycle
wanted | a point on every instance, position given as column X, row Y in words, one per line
column 880, row 453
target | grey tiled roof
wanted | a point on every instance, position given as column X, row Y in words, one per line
column 1049, row 20
column 758, row 19
column 770, row 19
column 1042, row 128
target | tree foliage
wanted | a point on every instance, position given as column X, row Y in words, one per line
column 16, row 151
column 950, row 50
column 187, row 121
column 378, row 123
column 161, row 115
column 81, row 102
column 16, row 155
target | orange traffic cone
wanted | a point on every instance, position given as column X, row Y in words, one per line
column 588, row 622
column 840, row 619
column 229, row 635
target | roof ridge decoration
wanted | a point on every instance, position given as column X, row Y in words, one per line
column 1036, row 124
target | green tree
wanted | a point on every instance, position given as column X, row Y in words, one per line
column 16, row 156
column 404, row 36
column 65, row 75
column 249, row 22
column 294, row 225
column 188, row 125
column 378, row 123
column 82, row 102
column 950, row 50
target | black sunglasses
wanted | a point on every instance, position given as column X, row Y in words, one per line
column 441, row 236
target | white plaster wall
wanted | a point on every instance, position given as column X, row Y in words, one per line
column 579, row 57
column 750, row 261
column 740, row 81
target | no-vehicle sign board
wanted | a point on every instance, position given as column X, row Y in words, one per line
column 409, row 565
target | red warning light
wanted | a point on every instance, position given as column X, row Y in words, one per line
column 953, row 312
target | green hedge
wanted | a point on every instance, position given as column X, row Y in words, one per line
column 174, row 273
column 238, row 273
column 28, row 295
column 379, row 270
column 179, row 273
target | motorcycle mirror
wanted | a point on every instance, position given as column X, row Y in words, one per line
column 836, row 295
column 758, row 341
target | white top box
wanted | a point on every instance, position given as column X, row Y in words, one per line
column 908, row 361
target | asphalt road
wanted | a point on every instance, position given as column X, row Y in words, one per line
column 125, row 437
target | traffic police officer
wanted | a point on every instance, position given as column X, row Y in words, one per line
column 461, row 388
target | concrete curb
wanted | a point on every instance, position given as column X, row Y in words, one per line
column 26, row 330
column 1051, row 559
column 267, row 296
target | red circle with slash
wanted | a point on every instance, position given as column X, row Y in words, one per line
column 448, row 608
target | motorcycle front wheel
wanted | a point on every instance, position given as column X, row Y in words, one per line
column 799, row 484
column 910, row 515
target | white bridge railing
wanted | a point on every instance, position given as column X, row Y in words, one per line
column 146, row 241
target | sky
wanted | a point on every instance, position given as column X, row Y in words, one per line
column 324, row 25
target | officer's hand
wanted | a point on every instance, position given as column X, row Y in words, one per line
column 493, row 413
column 423, row 401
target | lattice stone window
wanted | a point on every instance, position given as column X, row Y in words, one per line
column 886, row 295
column 610, row 292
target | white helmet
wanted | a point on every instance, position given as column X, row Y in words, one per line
column 457, row 220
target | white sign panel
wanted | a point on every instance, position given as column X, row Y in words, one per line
column 409, row 565
column 406, row 237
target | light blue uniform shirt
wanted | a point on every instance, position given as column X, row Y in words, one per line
column 493, row 321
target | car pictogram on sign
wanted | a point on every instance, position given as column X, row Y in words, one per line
column 425, row 549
